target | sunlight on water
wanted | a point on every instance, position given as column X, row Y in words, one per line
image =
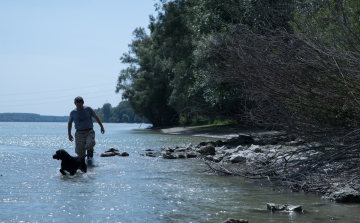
column 134, row 188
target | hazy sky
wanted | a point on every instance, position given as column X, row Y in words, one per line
column 53, row 51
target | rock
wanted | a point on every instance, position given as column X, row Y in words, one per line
column 192, row 154
column 343, row 194
column 124, row 154
column 170, row 150
column 255, row 149
column 219, row 143
column 217, row 158
column 287, row 207
column 112, row 150
column 207, row 150
column 231, row 220
column 150, row 154
column 295, row 208
column 169, row 156
column 237, row 158
column 242, row 139
column 181, row 149
column 181, row 155
column 107, row 154
column 207, row 143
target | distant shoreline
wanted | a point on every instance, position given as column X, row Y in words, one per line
column 31, row 117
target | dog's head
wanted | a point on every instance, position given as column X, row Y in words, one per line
column 60, row 154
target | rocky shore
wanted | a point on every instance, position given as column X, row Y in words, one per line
column 261, row 154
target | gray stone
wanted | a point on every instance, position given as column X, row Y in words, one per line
column 286, row 207
column 169, row 156
column 124, row 154
column 107, row 154
column 237, row 158
column 181, row 155
column 343, row 194
column 231, row 220
column 207, row 150
column 192, row 154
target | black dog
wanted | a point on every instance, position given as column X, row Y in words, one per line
column 70, row 163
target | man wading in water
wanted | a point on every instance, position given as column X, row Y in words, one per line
column 85, row 134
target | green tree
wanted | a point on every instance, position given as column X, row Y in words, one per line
column 145, row 86
column 125, row 118
column 106, row 111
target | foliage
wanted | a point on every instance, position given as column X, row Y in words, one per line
column 166, row 78
column 123, row 113
column 226, row 60
column 143, row 85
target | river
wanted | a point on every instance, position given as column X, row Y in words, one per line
column 135, row 188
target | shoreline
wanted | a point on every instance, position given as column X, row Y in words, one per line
column 219, row 131
column 254, row 151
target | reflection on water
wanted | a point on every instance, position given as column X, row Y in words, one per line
column 134, row 188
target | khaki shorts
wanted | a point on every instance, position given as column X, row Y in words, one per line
column 84, row 140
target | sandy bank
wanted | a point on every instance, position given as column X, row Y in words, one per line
column 220, row 132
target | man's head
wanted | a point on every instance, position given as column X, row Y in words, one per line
column 78, row 99
column 79, row 102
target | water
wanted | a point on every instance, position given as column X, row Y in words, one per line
column 134, row 188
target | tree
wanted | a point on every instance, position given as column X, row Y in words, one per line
column 144, row 86
column 106, row 111
column 305, row 83
column 215, row 24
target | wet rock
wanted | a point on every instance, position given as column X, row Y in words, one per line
column 110, row 152
column 209, row 149
column 107, row 154
column 192, row 154
column 286, row 207
column 242, row 139
column 169, row 156
column 181, row 155
column 342, row 194
column 219, row 143
column 255, row 149
column 113, row 152
column 237, row 158
column 150, row 154
column 207, row 143
column 231, row 220
column 170, row 150
column 181, row 149
column 124, row 154
column 217, row 158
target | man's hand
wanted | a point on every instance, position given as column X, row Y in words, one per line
column 71, row 138
column 102, row 130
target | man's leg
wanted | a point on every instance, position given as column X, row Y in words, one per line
column 80, row 143
column 89, row 145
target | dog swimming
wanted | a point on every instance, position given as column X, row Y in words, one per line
column 70, row 163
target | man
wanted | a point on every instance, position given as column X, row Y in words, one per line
column 84, row 135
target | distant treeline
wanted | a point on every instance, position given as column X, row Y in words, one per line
column 122, row 113
column 29, row 117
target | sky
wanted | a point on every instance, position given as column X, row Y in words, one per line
column 53, row 51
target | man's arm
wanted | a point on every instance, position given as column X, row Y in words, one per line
column 100, row 123
column 71, row 138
